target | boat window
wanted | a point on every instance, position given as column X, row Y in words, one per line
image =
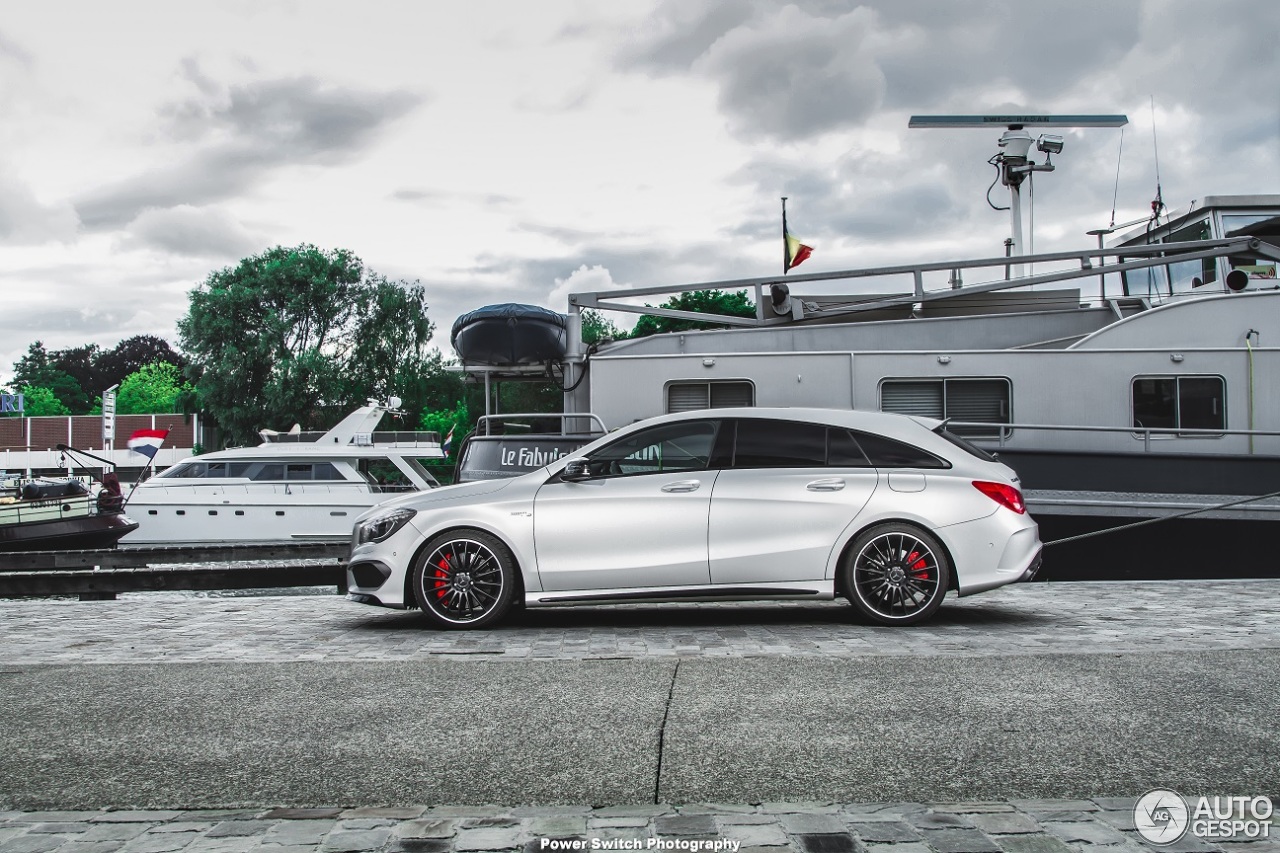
column 325, row 471
column 974, row 400
column 779, row 444
column 295, row 471
column 681, row 446
column 889, row 453
column 1186, row 275
column 384, row 476
column 1179, row 402
column 267, row 471
column 689, row 396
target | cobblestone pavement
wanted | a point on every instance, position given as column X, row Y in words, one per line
column 1101, row 617
column 1104, row 825
column 1028, row 619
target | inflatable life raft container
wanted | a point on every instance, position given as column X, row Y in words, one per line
column 510, row 334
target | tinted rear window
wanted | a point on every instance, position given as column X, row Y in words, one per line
column 780, row 444
column 888, row 453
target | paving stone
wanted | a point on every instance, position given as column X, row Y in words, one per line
column 28, row 843
column 796, row 808
column 934, row 820
column 905, row 847
column 829, row 842
column 369, row 823
column 473, row 812
column 891, row 831
column 218, row 815
column 745, row 819
column 633, row 811
column 62, row 827
column 550, row 811
column 1012, row 823
column 487, row 839
column 558, row 827
column 136, row 816
column 110, row 846
column 183, row 826
column 970, row 808
column 384, row 812
column 488, row 823
column 814, row 824
column 755, row 835
column 426, row 828
column 295, row 832
column 595, row 823
column 1092, row 832
column 685, row 825
column 959, row 841
column 1034, row 844
column 113, row 832
column 1121, row 820
column 228, row 844
column 56, row 816
column 1116, row 803
column 167, row 842
column 418, row 845
column 1055, row 805
column 302, row 814
column 355, row 840
column 239, row 828
column 715, row 808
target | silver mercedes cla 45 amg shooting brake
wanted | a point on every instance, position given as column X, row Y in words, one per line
column 888, row 511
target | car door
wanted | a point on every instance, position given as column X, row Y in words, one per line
column 791, row 491
column 639, row 519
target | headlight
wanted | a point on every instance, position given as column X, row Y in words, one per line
column 381, row 527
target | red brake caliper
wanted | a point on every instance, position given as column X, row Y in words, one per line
column 918, row 563
column 442, row 577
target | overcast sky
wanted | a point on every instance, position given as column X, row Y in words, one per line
column 517, row 150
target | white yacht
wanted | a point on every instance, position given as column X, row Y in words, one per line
column 294, row 487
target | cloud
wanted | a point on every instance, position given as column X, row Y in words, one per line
column 584, row 278
column 241, row 135
column 11, row 50
column 193, row 231
column 25, row 220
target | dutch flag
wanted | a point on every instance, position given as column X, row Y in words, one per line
column 448, row 440
column 147, row 441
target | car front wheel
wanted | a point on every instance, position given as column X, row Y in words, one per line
column 896, row 574
column 464, row 579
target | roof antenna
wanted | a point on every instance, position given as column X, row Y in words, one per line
column 1157, row 203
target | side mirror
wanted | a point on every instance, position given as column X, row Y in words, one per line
column 575, row 470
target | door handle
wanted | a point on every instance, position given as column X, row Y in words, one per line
column 834, row 484
column 682, row 486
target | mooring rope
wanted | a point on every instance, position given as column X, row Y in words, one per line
column 1147, row 521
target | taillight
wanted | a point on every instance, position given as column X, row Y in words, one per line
column 1006, row 496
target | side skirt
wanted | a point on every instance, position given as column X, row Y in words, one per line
column 813, row 591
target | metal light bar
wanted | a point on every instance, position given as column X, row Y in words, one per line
column 1011, row 121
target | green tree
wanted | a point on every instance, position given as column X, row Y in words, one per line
column 152, row 388
column 37, row 401
column 131, row 355
column 733, row 304
column 294, row 331
column 596, row 327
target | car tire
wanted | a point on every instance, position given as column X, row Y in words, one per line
column 464, row 579
column 896, row 574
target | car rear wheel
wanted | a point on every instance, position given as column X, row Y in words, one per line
column 464, row 579
column 896, row 574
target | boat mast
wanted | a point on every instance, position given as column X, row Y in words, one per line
column 1013, row 160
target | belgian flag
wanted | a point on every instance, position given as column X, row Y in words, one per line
column 794, row 252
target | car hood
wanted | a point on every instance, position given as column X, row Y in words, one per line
column 458, row 493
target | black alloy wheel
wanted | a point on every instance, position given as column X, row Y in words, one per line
column 896, row 574
column 464, row 579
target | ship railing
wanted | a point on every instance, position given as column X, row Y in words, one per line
column 535, row 423
column 1000, row 431
column 775, row 305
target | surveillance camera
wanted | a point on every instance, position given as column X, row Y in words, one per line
column 1049, row 143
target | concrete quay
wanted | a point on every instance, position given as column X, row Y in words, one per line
column 1028, row 719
